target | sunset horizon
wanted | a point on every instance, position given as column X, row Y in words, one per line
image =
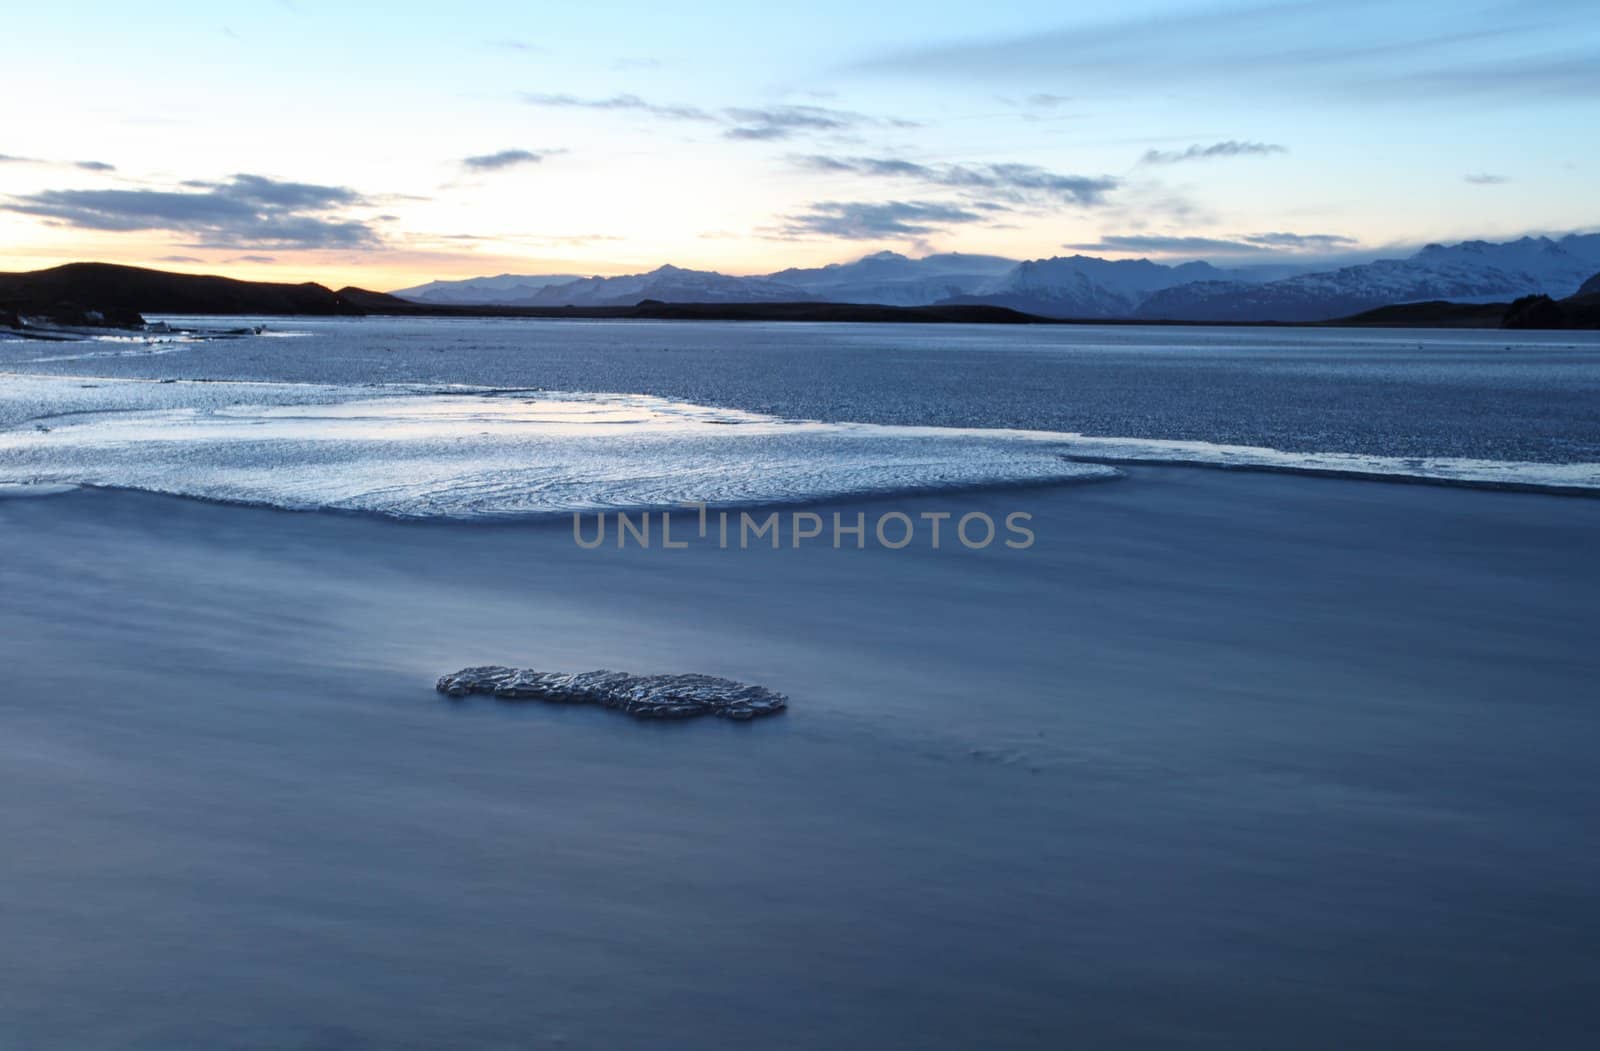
column 544, row 142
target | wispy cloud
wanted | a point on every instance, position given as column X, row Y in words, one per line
column 1229, row 148
column 877, row 220
column 783, row 122
column 88, row 166
column 1570, row 71
column 526, row 47
column 619, row 102
column 1241, row 244
column 1163, row 244
column 1316, row 242
column 246, row 211
column 750, row 123
column 1017, row 184
column 1308, row 47
column 493, row 162
column 1486, row 179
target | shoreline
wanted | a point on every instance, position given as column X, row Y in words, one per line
column 824, row 313
column 50, row 490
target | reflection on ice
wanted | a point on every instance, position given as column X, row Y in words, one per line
column 465, row 453
column 412, row 451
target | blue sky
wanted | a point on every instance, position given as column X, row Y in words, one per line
column 391, row 143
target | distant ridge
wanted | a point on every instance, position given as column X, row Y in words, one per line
column 1082, row 287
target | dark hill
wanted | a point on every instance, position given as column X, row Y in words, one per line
column 1580, row 311
column 1436, row 313
column 363, row 301
column 1590, row 287
column 120, row 293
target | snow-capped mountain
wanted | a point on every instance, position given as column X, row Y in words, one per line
column 896, row 280
column 670, row 284
column 884, row 277
column 506, row 288
column 1471, row 270
column 1082, row 286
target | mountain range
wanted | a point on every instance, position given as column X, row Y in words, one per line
column 43, row 304
column 1081, row 286
column 1472, row 271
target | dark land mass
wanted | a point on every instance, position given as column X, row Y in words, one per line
column 1581, row 311
column 1435, row 313
column 114, row 296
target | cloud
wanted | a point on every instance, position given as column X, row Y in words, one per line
column 247, row 211
column 874, row 220
column 1163, row 245
column 757, row 124
column 1374, row 51
column 88, row 166
column 1301, row 241
column 524, row 46
column 1230, row 148
column 783, row 122
column 1016, row 184
column 252, row 259
column 1242, row 244
column 1485, row 179
column 1568, row 73
column 1145, row 51
column 178, row 259
column 619, row 102
column 493, row 162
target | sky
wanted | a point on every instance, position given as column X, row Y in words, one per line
column 387, row 144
